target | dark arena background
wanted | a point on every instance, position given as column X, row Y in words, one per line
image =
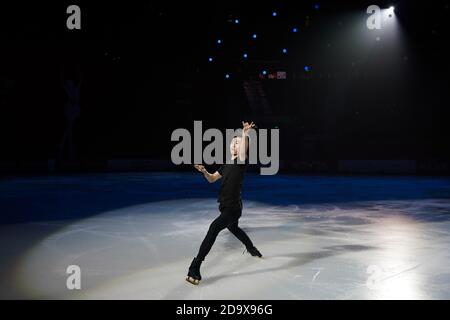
column 92, row 205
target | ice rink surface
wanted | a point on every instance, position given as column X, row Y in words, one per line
column 134, row 234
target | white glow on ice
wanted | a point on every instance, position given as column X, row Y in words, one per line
column 398, row 265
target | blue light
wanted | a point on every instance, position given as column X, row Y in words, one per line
column 227, row 76
column 210, row 59
column 245, row 56
column 254, row 36
column 317, row 6
column 274, row 14
column 236, row 21
column 307, row 68
column 264, row 72
column 284, row 50
column 219, row 41
column 294, row 30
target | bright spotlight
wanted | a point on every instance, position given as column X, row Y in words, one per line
column 390, row 11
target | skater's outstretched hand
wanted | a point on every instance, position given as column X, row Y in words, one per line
column 210, row 177
column 247, row 126
column 200, row 168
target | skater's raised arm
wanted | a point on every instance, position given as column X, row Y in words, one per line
column 211, row 177
column 243, row 147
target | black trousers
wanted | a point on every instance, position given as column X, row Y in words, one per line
column 228, row 218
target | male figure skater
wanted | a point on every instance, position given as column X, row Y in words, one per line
column 230, row 202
